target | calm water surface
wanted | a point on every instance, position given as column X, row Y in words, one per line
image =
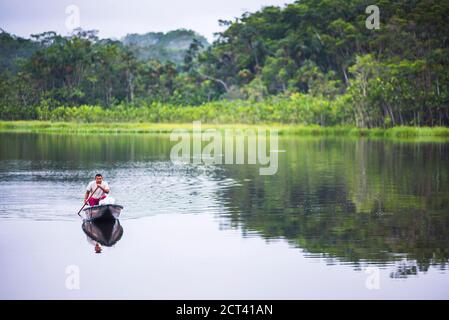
column 342, row 218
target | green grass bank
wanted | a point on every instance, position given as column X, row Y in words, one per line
column 284, row 129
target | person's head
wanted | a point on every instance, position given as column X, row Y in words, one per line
column 97, row 248
column 98, row 178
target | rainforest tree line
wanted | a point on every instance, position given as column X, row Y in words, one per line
column 313, row 55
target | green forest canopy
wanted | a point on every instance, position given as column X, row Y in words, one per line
column 314, row 59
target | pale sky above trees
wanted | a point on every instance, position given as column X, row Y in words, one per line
column 116, row 18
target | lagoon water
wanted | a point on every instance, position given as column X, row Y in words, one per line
column 342, row 218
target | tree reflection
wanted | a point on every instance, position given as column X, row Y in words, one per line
column 354, row 200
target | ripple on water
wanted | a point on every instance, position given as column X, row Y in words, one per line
column 143, row 188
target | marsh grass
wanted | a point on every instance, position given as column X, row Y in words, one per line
column 164, row 128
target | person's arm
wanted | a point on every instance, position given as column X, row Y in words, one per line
column 105, row 188
column 88, row 191
column 86, row 196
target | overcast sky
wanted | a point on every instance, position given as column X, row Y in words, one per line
column 116, row 18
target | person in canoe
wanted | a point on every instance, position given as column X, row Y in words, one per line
column 99, row 188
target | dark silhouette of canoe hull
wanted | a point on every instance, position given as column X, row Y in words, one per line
column 107, row 232
column 103, row 212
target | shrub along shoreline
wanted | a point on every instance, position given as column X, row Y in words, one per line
column 163, row 128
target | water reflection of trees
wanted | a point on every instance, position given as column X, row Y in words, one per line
column 354, row 200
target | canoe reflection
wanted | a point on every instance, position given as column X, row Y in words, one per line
column 106, row 233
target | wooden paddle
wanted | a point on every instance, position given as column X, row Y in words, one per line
column 87, row 201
